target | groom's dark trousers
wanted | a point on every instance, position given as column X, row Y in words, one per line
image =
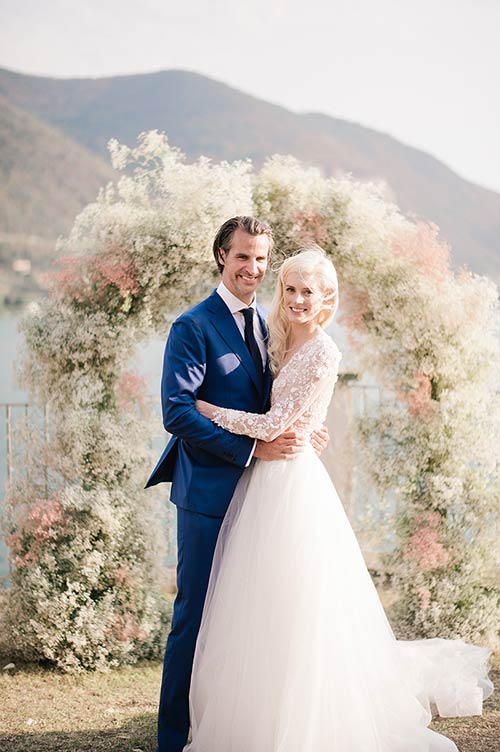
column 205, row 358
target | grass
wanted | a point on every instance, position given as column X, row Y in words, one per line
column 44, row 711
column 47, row 711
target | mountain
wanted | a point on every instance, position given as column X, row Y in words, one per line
column 45, row 177
column 203, row 116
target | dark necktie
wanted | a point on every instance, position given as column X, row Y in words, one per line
column 251, row 342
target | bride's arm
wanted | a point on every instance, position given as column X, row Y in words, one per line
column 308, row 381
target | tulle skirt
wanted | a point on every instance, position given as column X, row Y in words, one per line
column 295, row 653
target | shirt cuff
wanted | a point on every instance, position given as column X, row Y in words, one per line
column 251, row 453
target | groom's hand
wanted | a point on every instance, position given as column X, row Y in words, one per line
column 284, row 447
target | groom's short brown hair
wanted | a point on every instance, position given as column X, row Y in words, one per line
column 225, row 233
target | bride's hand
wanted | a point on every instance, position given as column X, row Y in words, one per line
column 319, row 439
column 205, row 408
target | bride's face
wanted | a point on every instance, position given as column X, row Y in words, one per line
column 301, row 297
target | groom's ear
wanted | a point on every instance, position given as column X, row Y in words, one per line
column 221, row 256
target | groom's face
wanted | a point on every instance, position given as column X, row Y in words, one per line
column 245, row 264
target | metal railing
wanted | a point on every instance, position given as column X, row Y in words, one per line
column 14, row 415
column 26, row 407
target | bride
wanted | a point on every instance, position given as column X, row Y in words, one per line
column 295, row 653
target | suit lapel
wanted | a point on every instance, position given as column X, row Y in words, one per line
column 224, row 322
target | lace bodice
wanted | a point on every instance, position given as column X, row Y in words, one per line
column 300, row 395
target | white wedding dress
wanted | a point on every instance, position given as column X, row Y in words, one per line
column 295, row 653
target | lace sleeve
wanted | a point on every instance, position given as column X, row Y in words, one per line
column 305, row 379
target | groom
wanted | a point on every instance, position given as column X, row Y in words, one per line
column 215, row 351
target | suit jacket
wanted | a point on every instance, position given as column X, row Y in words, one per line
column 206, row 358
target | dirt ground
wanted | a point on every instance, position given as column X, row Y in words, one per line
column 44, row 711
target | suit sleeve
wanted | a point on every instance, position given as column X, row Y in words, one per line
column 184, row 367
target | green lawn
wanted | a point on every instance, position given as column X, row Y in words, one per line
column 43, row 711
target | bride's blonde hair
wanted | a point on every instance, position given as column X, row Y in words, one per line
column 314, row 262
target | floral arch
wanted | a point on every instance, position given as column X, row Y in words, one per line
column 85, row 582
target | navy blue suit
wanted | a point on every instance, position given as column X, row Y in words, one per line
column 205, row 358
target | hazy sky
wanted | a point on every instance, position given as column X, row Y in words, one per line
column 424, row 71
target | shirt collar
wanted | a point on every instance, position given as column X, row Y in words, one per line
column 233, row 303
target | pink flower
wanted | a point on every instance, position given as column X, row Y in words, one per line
column 425, row 547
column 23, row 561
column 310, row 228
column 418, row 400
column 40, row 526
column 420, row 245
column 122, row 575
column 89, row 279
column 131, row 391
column 355, row 308
column 125, row 628
column 68, row 280
column 44, row 518
column 115, row 268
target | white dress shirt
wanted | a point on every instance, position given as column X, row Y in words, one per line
column 235, row 305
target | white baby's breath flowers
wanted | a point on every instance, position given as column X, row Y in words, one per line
column 85, row 550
